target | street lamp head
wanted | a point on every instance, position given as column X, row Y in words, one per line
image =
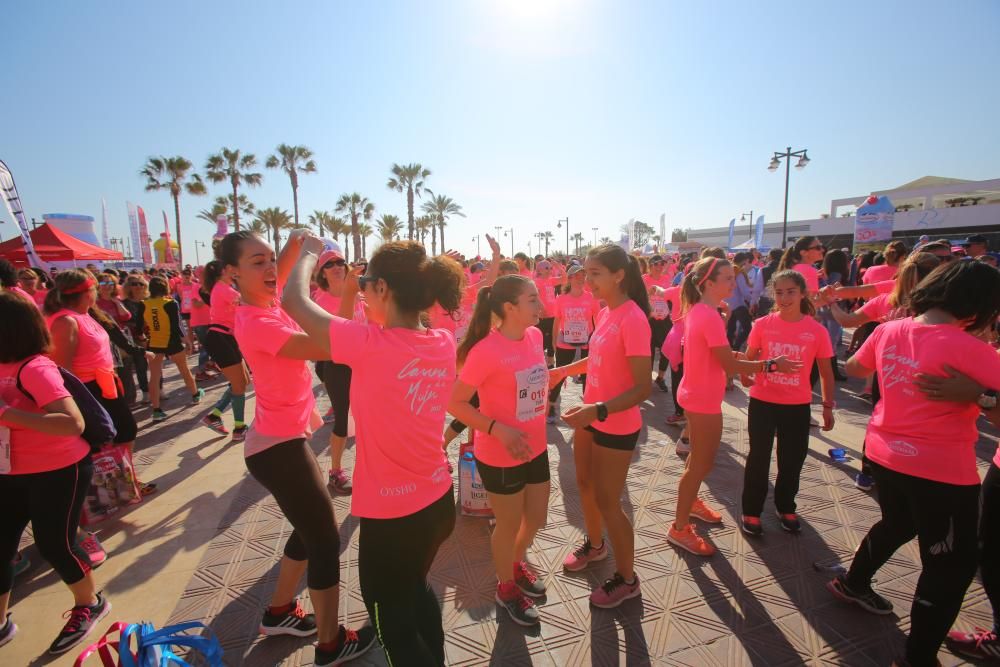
column 803, row 161
column 743, row 218
column 775, row 163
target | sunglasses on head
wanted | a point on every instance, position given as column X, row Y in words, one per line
column 334, row 262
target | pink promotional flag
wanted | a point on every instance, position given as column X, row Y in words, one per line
column 145, row 253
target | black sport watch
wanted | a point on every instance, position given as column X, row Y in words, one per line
column 602, row 411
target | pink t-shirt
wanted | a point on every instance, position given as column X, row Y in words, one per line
column 547, row 294
column 659, row 305
column 400, row 388
column 811, row 275
column 876, row 309
column 512, row 382
column 879, row 273
column 222, row 309
column 576, row 315
column 32, row 451
column 805, row 341
column 620, row 333
column 673, row 297
column 913, row 435
column 704, row 383
column 187, row 292
column 885, row 286
column 93, row 347
column 441, row 319
column 30, row 297
column 200, row 312
column 285, row 402
column 331, row 304
column 39, row 297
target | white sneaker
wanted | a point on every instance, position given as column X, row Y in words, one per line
column 683, row 445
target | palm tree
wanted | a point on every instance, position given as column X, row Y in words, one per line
column 233, row 166
column 275, row 220
column 425, row 224
column 578, row 237
column 605, row 240
column 356, row 207
column 257, row 227
column 212, row 214
column 338, row 226
column 547, row 237
column 441, row 208
column 410, row 179
column 292, row 160
column 365, row 230
column 173, row 174
column 320, row 219
column 389, row 227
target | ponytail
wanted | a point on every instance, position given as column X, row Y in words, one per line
column 489, row 303
column 704, row 270
column 793, row 253
column 914, row 269
column 614, row 258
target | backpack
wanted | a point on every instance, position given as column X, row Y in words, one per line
column 98, row 428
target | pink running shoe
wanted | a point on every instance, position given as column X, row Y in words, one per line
column 585, row 555
column 614, row 591
column 95, row 551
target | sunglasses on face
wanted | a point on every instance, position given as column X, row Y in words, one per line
column 816, row 247
column 334, row 262
column 105, row 283
column 136, row 285
column 364, row 281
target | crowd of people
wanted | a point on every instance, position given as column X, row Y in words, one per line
column 404, row 340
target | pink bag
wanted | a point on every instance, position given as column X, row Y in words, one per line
column 104, row 647
column 112, row 486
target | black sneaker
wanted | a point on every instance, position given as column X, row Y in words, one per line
column 868, row 600
column 526, row 580
column 295, row 622
column 661, row 383
column 518, row 606
column 789, row 522
column 81, row 621
column 751, row 525
column 355, row 644
column 8, row 631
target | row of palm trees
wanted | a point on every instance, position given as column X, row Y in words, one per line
column 351, row 214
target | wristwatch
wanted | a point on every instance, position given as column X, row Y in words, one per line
column 770, row 366
column 987, row 402
column 602, row 411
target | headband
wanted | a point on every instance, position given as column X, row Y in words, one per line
column 711, row 267
column 81, row 287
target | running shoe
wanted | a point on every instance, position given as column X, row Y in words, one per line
column 614, row 591
column 584, row 555
column 661, row 383
column 789, row 522
column 81, row 621
column 683, row 445
column 94, row 548
column 527, row 581
column 8, row 631
column 295, row 621
column 751, row 525
column 979, row 645
column 215, row 423
column 519, row 606
column 354, row 644
column 203, row 376
column 676, row 420
column 703, row 512
column 197, row 396
column 239, row 433
column 329, row 417
column 689, row 540
column 339, row 483
column 868, row 600
column 159, row 415
column 145, row 399
column 20, row 564
column 212, row 366
column 864, row 482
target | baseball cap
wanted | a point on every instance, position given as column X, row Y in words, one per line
column 476, row 267
column 328, row 255
column 656, row 259
column 544, row 264
column 573, row 270
column 975, row 238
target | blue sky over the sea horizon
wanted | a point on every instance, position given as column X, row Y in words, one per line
column 526, row 111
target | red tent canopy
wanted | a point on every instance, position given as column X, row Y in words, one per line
column 54, row 245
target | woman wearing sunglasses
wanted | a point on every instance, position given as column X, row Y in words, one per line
column 802, row 257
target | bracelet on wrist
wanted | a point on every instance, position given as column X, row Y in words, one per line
column 830, row 404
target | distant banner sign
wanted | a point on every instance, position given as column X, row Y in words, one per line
column 133, row 227
column 873, row 224
column 145, row 253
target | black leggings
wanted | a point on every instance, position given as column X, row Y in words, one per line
column 458, row 426
column 790, row 423
column 337, row 382
column 740, row 317
column 658, row 333
column 564, row 357
column 141, row 369
column 989, row 541
column 943, row 518
column 395, row 590
column 291, row 473
column 51, row 501
column 675, row 382
column 545, row 325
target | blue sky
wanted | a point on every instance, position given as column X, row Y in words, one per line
column 526, row 111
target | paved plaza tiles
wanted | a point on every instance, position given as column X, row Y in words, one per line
column 206, row 548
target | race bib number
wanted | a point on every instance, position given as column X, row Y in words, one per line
column 575, row 331
column 186, row 302
column 532, row 392
column 660, row 308
column 4, row 450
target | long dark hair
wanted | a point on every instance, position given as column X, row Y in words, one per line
column 961, row 289
column 211, row 275
column 911, row 272
column 836, row 262
column 805, row 304
column 614, row 258
column 793, row 254
column 489, row 302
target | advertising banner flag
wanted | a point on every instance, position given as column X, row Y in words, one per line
column 144, row 252
column 13, row 202
column 133, row 226
column 104, row 223
column 873, row 224
column 758, row 240
column 732, row 232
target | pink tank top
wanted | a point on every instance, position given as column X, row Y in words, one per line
column 222, row 313
column 93, row 348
